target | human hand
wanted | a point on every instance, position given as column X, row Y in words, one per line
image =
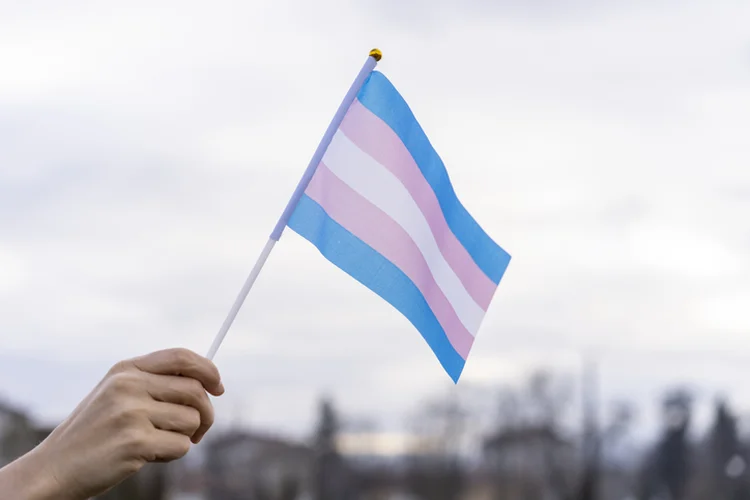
column 147, row 409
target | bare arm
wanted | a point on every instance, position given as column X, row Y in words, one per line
column 27, row 478
column 144, row 410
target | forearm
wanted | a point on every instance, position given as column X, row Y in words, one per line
column 29, row 478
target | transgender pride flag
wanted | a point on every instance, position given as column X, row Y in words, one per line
column 377, row 202
column 381, row 207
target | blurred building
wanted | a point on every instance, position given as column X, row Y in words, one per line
column 531, row 462
column 17, row 433
column 241, row 465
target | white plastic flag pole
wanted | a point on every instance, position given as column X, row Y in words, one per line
column 249, row 282
column 372, row 61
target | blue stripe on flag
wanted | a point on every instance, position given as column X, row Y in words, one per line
column 370, row 268
column 381, row 97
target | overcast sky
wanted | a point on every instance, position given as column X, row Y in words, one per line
column 147, row 148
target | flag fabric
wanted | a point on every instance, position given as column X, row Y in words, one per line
column 381, row 207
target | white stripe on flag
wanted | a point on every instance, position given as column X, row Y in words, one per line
column 379, row 186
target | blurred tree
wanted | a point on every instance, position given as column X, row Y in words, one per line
column 435, row 470
column 673, row 459
column 442, row 422
column 727, row 464
column 599, row 466
column 589, row 487
column 528, row 453
column 548, row 399
column 330, row 473
column 619, row 423
column 666, row 472
column 327, row 428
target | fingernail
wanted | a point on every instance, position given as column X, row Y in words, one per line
column 221, row 387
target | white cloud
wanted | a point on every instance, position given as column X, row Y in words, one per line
column 12, row 272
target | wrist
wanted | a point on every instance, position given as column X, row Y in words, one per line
column 31, row 478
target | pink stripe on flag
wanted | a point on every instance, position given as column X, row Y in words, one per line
column 373, row 136
column 373, row 226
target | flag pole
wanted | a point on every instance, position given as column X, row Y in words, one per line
column 372, row 61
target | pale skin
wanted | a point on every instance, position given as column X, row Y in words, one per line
column 146, row 409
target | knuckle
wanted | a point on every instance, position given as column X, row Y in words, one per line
column 183, row 447
column 123, row 382
column 208, row 421
column 214, row 370
column 194, row 387
column 188, row 360
column 132, row 465
column 192, row 391
column 129, row 417
column 182, row 357
column 195, row 392
column 194, row 420
column 119, row 367
column 136, row 444
column 205, row 408
column 208, row 417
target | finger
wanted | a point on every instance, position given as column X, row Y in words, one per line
column 176, row 418
column 169, row 445
column 183, row 391
column 182, row 362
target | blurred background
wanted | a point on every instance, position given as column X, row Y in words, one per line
column 147, row 149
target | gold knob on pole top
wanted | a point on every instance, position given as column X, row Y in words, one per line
column 376, row 54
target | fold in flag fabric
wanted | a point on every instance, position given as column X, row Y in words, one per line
column 381, row 207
